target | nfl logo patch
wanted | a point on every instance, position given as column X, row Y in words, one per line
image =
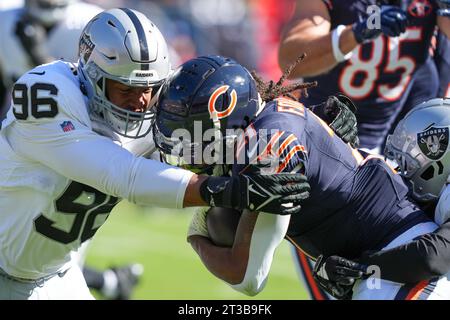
column 67, row 126
column 433, row 142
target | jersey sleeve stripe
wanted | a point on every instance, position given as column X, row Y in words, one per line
column 268, row 149
column 289, row 156
column 291, row 138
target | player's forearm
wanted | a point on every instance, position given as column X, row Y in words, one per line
column 223, row 262
column 444, row 25
column 320, row 57
column 425, row 258
column 192, row 197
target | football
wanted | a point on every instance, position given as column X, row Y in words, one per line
column 222, row 225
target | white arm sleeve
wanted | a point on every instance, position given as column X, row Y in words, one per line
column 268, row 233
column 86, row 157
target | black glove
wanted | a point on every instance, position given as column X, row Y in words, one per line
column 279, row 193
column 393, row 21
column 444, row 6
column 337, row 275
column 33, row 35
column 339, row 113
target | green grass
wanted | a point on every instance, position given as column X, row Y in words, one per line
column 156, row 238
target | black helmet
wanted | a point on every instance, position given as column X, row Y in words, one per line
column 207, row 96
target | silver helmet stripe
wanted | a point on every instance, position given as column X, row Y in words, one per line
column 141, row 36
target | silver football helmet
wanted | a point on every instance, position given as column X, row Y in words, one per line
column 47, row 12
column 420, row 147
column 125, row 46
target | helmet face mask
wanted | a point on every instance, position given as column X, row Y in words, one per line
column 122, row 45
column 420, row 147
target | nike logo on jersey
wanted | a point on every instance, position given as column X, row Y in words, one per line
column 38, row 73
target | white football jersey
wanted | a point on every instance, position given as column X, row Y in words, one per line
column 442, row 212
column 61, row 41
column 59, row 179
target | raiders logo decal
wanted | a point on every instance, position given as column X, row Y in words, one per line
column 86, row 47
column 433, row 142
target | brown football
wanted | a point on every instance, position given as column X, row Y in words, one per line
column 222, row 225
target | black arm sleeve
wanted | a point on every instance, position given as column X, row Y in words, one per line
column 424, row 258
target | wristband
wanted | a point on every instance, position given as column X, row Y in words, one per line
column 337, row 53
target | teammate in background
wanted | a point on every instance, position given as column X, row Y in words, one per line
column 420, row 146
column 385, row 71
column 373, row 66
column 40, row 32
column 64, row 147
column 357, row 201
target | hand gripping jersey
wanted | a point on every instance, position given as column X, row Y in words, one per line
column 59, row 178
column 380, row 74
column 356, row 203
column 61, row 41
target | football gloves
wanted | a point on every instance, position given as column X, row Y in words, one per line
column 339, row 113
column 337, row 275
column 393, row 22
column 279, row 193
column 444, row 8
column 198, row 226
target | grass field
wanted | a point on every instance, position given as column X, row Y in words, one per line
column 156, row 238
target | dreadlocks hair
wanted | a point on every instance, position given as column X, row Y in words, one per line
column 270, row 90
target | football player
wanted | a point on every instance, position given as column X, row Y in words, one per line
column 39, row 32
column 373, row 51
column 420, row 146
column 356, row 202
column 42, row 31
column 64, row 167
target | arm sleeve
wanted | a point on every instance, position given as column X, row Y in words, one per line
column 267, row 234
column 424, row 258
column 86, row 157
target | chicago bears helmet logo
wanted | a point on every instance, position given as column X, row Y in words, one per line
column 420, row 8
column 213, row 99
column 433, row 142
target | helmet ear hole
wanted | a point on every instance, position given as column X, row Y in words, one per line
column 428, row 173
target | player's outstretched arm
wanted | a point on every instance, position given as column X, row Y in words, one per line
column 425, row 258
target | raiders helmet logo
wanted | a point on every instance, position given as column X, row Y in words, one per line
column 86, row 47
column 433, row 142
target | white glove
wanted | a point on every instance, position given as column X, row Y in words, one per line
column 198, row 223
column 442, row 212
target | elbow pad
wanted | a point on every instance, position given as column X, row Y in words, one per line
column 268, row 233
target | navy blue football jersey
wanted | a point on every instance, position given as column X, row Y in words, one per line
column 357, row 202
column 380, row 74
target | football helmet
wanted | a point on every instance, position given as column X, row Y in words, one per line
column 47, row 12
column 125, row 46
column 419, row 145
column 208, row 98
